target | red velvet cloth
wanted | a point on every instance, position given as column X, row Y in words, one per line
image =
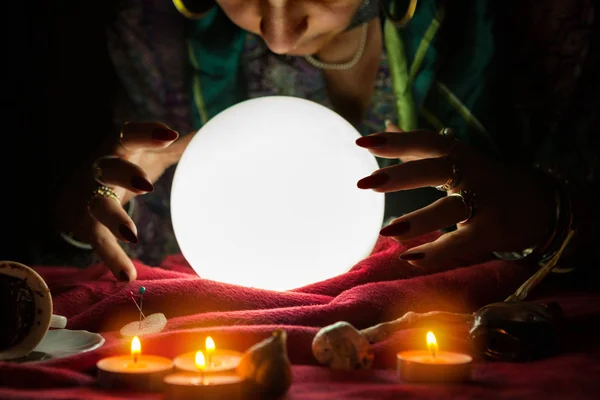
column 378, row 289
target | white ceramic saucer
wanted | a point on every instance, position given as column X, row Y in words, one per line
column 59, row 343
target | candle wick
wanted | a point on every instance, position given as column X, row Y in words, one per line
column 135, row 358
column 433, row 349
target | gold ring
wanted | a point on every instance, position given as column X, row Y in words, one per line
column 468, row 199
column 104, row 191
column 454, row 179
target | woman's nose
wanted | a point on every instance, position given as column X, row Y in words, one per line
column 283, row 24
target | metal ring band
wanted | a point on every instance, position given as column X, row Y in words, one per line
column 454, row 179
column 120, row 138
column 448, row 132
column 104, row 191
column 468, row 199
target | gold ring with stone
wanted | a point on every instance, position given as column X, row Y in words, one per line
column 104, row 191
column 454, row 179
column 469, row 200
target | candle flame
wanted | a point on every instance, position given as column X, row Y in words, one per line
column 136, row 346
column 210, row 345
column 432, row 344
column 200, row 361
column 431, row 341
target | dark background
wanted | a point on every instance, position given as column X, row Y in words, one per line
column 25, row 59
column 57, row 89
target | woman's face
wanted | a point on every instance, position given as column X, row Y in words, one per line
column 294, row 27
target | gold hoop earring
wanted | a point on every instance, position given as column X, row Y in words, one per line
column 405, row 19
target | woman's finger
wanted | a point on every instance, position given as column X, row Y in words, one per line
column 441, row 214
column 451, row 250
column 410, row 175
column 419, row 143
column 111, row 214
column 106, row 246
column 391, row 127
column 136, row 136
column 115, row 171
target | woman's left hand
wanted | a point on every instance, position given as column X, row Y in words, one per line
column 502, row 208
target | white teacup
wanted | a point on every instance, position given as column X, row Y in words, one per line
column 35, row 291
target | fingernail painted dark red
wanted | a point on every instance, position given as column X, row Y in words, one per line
column 412, row 256
column 371, row 141
column 127, row 233
column 164, row 134
column 142, row 184
column 123, row 277
column 397, row 229
column 373, row 181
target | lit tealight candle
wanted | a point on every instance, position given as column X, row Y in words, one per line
column 432, row 365
column 210, row 349
column 134, row 372
column 217, row 360
column 199, row 385
column 200, row 363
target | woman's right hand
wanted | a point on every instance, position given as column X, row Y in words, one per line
column 129, row 168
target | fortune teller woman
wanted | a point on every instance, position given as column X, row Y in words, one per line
column 493, row 103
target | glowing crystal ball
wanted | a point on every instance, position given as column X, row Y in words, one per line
column 265, row 196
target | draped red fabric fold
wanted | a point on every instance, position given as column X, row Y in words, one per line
column 380, row 288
